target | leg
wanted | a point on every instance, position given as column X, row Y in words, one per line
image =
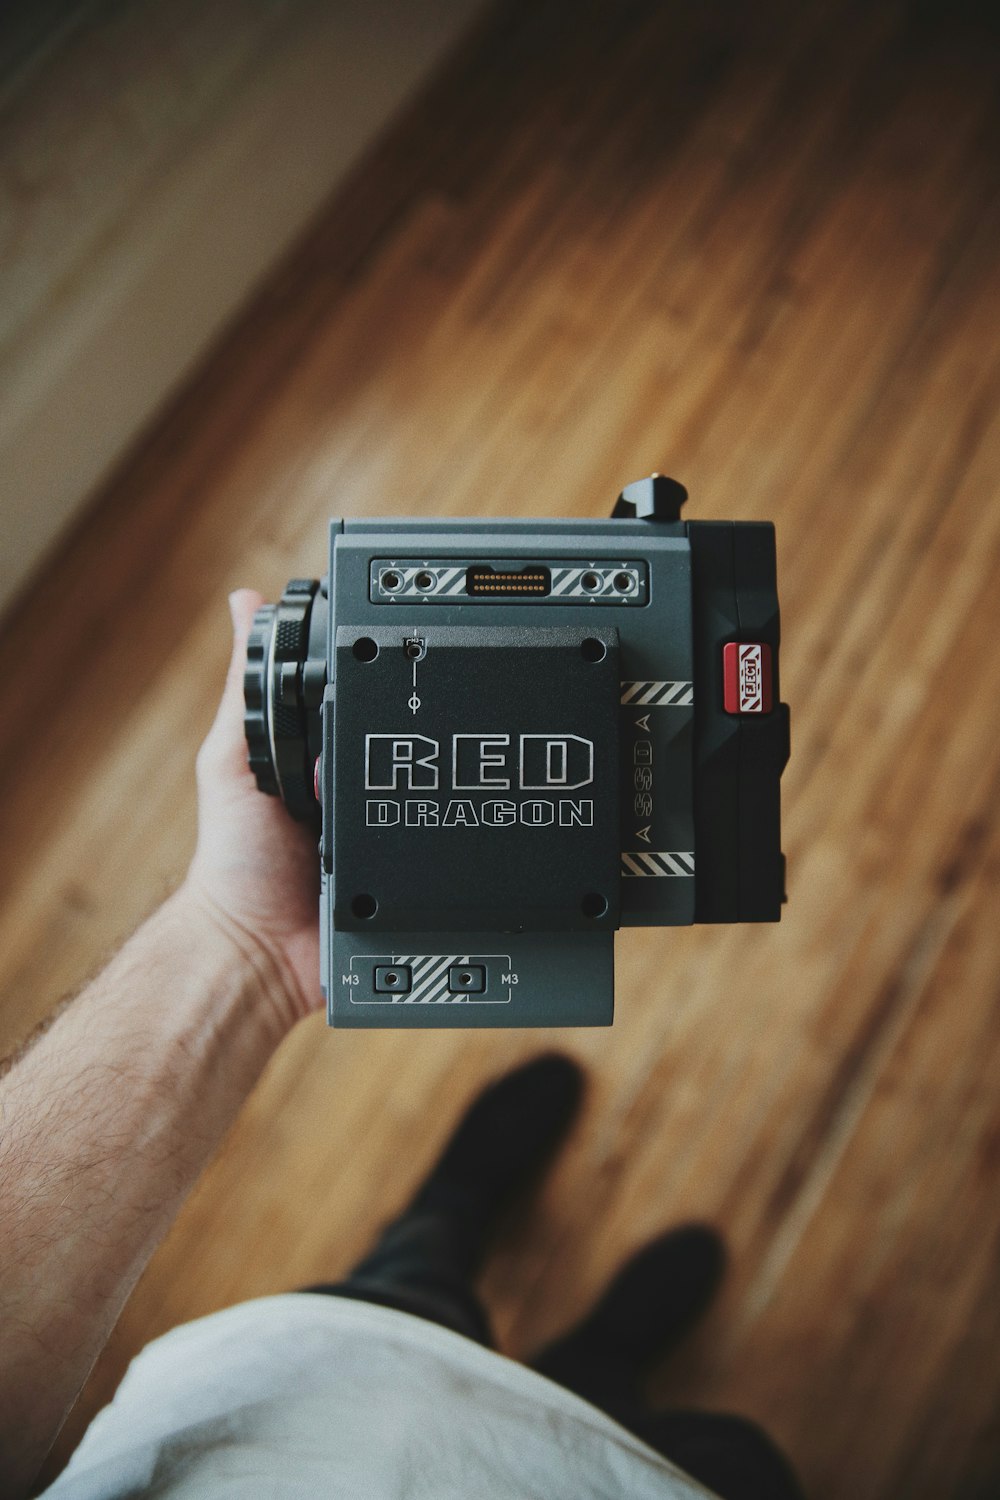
column 730, row 1455
column 655, row 1298
column 416, row 1266
column 652, row 1302
column 425, row 1261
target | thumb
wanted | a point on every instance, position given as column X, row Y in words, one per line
column 226, row 734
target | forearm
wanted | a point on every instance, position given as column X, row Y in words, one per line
column 104, row 1125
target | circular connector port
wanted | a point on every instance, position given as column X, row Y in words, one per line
column 624, row 583
column 591, row 582
column 424, row 581
column 391, row 581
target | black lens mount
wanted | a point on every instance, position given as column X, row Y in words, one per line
column 283, row 684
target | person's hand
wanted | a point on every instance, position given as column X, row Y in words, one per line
column 255, row 870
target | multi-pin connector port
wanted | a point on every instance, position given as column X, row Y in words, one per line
column 508, row 583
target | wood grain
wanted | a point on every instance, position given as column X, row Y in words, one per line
column 754, row 247
column 156, row 160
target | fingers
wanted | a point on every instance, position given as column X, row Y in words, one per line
column 243, row 604
column 224, row 749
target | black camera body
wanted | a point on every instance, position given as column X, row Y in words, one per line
column 514, row 737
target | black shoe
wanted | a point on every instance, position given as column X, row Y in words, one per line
column 506, row 1138
column 657, row 1296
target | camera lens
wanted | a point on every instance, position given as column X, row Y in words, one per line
column 283, row 683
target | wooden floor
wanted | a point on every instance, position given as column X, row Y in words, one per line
column 756, row 247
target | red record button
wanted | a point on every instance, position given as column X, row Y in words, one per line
column 746, row 677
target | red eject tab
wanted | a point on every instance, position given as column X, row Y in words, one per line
column 746, row 677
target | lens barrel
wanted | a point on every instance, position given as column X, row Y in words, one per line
column 283, row 683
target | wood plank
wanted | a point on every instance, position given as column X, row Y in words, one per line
column 157, row 159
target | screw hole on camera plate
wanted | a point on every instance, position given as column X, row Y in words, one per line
column 592, row 649
column 365, row 649
column 594, row 904
column 364, row 906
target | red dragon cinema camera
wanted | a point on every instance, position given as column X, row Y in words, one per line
column 514, row 737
